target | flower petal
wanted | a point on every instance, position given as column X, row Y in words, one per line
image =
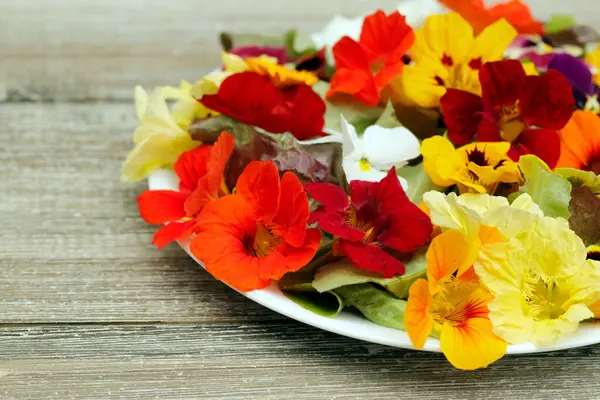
column 161, row 206
column 547, row 100
column 191, row 166
column 579, row 140
column 259, row 185
column 502, row 83
column 385, row 147
column 371, row 257
column 462, row 113
column 290, row 221
column 544, row 143
column 417, row 320
column 172, row 231
column 331, row 196
column 472, row 344
column 288, row 258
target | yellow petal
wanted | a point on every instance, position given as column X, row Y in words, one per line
column 233, row 63
column 449, row 253
column 472, row 344
column 417, row 320
column 447, row 213
column 530, row 68
column 547, row 332
column 482, row 203
column 440, row 160
column 593, row 58
column 417, row 86
column 595, row 308
column 159, row 150
column 438, row 37
column 157, row 120
column 508, row 318
column 141, row 101
column 502, row 266
column 493, row 41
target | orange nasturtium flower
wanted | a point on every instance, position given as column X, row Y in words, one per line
column 514, row 11
column 580, row 142
column 366, row 67
column 200, row 173
column 454, row 304
column 259, row 233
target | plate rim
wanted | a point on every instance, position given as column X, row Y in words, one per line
column 273, row 298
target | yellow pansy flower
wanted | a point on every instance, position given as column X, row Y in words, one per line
column 593, row 58
column 542, row 283
column 158, row 139
column 475, row 167
column 447, row 54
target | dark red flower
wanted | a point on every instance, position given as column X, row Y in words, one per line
column 200, row 173
column 378, row 215
column 524, row 110
column 253, row 99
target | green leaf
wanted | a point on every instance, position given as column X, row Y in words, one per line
column 419, row 182
column 232, row 40
column 550, row 191
column 560, row 22
column 585, row 215
column 375, row 304
column 355, row 113
column 343, row 273
column 579, row 178
column 298, row 288
column 388, row 119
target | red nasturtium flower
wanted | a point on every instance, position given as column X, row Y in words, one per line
column 200, row 173
column 515, row 12
column 366, row 67
column 259, row 233
column 525, row 110
column 378, row 215
column 253, row 99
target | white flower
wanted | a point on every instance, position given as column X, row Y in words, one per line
column 417, row 11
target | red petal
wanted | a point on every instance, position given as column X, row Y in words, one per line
column 191, row 166
column 335, row 223
column 407, row 229
column 252, row 99
column 502, row 83
column 544, row 143
column 259, row 186
column 547, row 100
column 348, row 54
column 462, row 113
column 371, row 258
column 289, row 258
column 290, row 221
column 161, row 206
column 331, row 196
column 488, row 129
column 360, row 84
column 388, row 73
column 307, row 113
column 386, row 37
column 172, row 231
column 209, row 185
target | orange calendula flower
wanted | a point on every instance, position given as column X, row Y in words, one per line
column 514, row 11
column 580, row 142
column 366, row 67
column 259, row 233
column 454, row 304
column 280, row 75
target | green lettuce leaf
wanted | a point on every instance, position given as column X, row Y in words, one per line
column 343, row 273
column 298, row 288
column 388, row 119
column 578, row 178
column 552, row 192
column 419, row 182
column 559, row 22
column 585, row 215
column 375, row 304
column 356, row 113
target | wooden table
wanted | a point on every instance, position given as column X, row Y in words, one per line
column 89, row 309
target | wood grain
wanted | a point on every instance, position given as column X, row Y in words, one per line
column 88, row 309
column 265, row 361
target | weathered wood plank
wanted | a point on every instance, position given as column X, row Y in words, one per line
column 265, row 361
column 72, row 243
column 89, row 50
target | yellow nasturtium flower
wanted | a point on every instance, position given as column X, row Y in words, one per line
column 543, row 286
column 158, row 139
column 475, row 167
column 280, row 75
column 448, row 54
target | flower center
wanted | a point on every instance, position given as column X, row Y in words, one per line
column 364, row 164
column 264, row 242
column 477, row 157
column 510, row 123
column 593, row 255
column 543, row 300
column 366, row 225
column 377, row 66
column 592, row 104
column 447, row 60
column 594, row 164
column 476, row 63
column 450, row 304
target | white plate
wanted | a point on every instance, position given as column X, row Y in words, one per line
column 354, row 326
